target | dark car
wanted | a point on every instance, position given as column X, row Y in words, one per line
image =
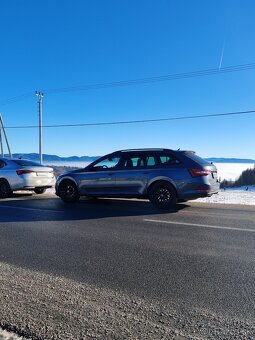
column 163, row 176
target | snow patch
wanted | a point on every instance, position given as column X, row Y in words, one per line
column 232, row 196
column 4, row 335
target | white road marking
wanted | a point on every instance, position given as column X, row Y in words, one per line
column 200, row 225
column 29, row 209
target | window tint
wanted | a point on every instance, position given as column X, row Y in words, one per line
column 148, row 160
column 141, row 160
column 168, row 160
column 131, row 162
column 164, row 159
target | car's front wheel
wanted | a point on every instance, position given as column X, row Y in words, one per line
column 68, row 191
column 162, row 195
column 5, row 189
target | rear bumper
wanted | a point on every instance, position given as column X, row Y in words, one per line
column 30, row 183
column 194, row 196
column 37, row 187
column 200, row 191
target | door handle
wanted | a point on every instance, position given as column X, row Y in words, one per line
column 145, row 172
column 110, row 173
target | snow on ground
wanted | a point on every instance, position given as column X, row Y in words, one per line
column 231, row 171
column 232, row 196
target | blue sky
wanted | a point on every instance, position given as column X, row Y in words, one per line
column 63, row 43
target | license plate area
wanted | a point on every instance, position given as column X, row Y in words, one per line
column 44, row 174
column 214, row 175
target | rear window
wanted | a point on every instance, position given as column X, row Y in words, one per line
column 24, row 162
column 196, row 158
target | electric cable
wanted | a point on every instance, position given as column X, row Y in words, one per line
column 133, row 121
column 138, row 81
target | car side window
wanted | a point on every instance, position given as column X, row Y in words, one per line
column 133, row 161
column 139, row 161
column 130, row 162
column 106, row 163
column 168, row 160
column 148, row 160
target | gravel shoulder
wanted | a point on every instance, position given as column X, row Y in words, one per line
column 51, row 307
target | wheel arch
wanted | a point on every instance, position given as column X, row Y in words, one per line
column 162, row 179
column 9, row 191
column 4, row 179
column 66, row 178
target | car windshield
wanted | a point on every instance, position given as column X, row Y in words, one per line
column 106, row 163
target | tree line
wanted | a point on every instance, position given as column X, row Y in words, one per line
column 246, row 178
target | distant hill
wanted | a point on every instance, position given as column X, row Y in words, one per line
column 55, row 158
column 230, row 160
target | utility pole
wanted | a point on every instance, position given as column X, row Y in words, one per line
column 40, row 97
column 1, row 143
column 5, row 135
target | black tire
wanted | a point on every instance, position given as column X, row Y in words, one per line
column 39, row 191
column 68, row 191
column 5, row 189
column 162, row 195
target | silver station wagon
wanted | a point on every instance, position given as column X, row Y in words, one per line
column 163, row 176
column 23, row 174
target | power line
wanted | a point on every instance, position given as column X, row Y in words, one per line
column 133, row 121
column 138, row 81
column 141, row 81
column 16, row 99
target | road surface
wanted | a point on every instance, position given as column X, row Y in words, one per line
column 120, row 269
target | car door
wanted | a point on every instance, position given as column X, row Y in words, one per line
column 99, row 179
column 132, row 176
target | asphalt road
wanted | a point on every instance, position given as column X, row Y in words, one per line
column 119, row 269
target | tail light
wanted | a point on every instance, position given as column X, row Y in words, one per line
column 199, row 172
column 22, row 172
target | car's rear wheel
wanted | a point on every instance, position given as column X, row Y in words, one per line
column 5, row 189
column 68, row 191
column 162, row 195
column 39, row 191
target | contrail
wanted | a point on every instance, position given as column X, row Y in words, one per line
column 222, row 53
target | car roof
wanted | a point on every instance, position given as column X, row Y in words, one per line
column 155, row 149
